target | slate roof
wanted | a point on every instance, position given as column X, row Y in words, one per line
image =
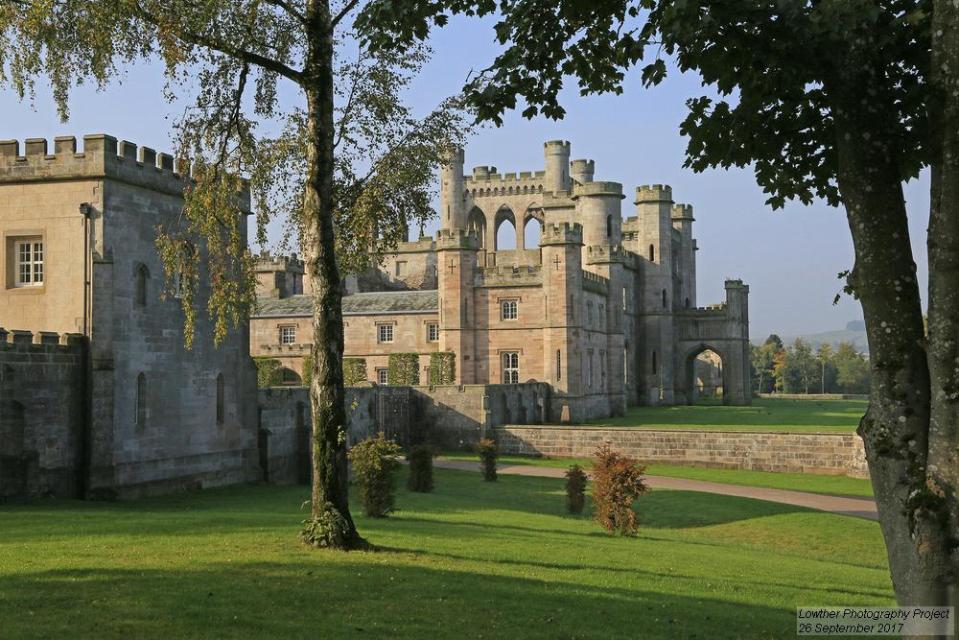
column 374, row 302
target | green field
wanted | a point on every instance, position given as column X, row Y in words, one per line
column 765, row 414
column 471, row 560
column 829, row 485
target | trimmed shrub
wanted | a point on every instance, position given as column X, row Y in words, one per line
column 486, row 448
column 354, row 371
column 617, row 484
column 575, row 489
column 442, row 367
column 267, row 372
column 404, row 369
column 421, row 468
column 375, row 462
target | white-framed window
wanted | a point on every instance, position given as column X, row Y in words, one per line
column 510, row 367
column 510, row 309
column 382, row 376
column 384, row 333
column 28, row 254
column 432, row 332
column 288, row 334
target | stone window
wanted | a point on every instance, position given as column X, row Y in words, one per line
column 589, row 369
column 654, row 362
column 652, row 253
column 384, row 333
column 510, row 309
column 687, row 303
column 142, row 278
column 219, row 398
column 510, row 367
column 140, row 400
column 559, row 366
column 609, row 226
column 624, row 298
column 288, row 334
column 383, row 376
column 664, row 298
column 400, row 267
column 28, row 257
column 602, row 370
column 432, row 332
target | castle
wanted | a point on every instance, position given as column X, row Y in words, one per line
column 604, row 310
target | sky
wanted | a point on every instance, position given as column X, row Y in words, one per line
column 789, row 258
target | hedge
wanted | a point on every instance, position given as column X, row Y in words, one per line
column 442, row 367
column 404, row 369
column 267, row 372
column 354, row 371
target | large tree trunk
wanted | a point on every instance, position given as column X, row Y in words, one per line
column 330, row 471
column 943, row 243
column 896, row 424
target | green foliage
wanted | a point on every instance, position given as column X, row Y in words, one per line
column 442, row 368
column 404, row 369
column 329, row 529
column 852, row 369
column 267, row 372
column 488, row 453
column 306, row 376
column 354, row 371
column 617, row 485
column 420, row 478
column 375, row 462
column 575, row 489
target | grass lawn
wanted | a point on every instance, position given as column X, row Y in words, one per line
column 765, row 414
column 470, row 560
column 830, row 485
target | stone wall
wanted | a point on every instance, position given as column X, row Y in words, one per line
column 42, row 413
column 783, row 452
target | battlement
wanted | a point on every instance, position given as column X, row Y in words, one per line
column 456, row 239
column 559, row 147
column 509, row 276
column 102, row 156
column 268, row 262
column 488, row 178
column 589, row 189
column 595, row 283
column 42, row 341
column 561, row 233
column 602, row 253
column 683, row 212
column 654, row 193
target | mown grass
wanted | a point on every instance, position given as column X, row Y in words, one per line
column 811, row 483
column 765, row 414
column 470, row 560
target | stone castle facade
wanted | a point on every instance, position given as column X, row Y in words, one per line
column 98, row 395
column 604, row 309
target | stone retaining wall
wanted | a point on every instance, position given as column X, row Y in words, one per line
column 830, row 454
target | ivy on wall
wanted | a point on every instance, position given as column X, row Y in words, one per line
column 354, row 371
column 442, row 367
column 307, row 374
column 267, row 372
column 404, row 369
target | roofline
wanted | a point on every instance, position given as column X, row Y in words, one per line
column 347, row 313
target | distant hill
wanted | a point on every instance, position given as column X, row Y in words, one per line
column 855, row 332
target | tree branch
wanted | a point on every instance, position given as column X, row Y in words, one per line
column 289, row 8
column 342, row 14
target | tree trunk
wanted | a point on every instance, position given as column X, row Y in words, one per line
column 330, row 471
column 896, row 424
column 943, row 244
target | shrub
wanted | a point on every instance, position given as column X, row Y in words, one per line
column 421, row 468
column 354, row 371
column 404, row 369
column 267, row 372
column 486, row 448
column 375, row 461
column 442, row 367
column 329, row 529
column 306, row 377
column 575, row 489
column 617, row 484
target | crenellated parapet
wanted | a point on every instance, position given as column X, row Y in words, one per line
column 39, row 341
column 452, row 239
column 561, row 233
column 595, row 283
column 683, row 212
column 509, row 276
column 654, row 193
column 486, row 182
column 102, row 156
column 267, row 261
column 602, row 188
column 605, row 253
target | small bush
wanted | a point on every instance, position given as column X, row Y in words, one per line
column 486, row 448
column 421, row 469
column 617, row 484
column 375, row 461
column 575, row 489
column 328, row 530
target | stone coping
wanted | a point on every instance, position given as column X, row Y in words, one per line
column 641, row 429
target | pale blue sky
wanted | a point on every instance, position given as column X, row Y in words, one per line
column 789, row 258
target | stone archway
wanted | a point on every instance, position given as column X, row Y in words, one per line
column 531, row 241
column 704, row 359
column 476, row 225
column 504, row 215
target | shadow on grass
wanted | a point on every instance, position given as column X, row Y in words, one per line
column 331, row 595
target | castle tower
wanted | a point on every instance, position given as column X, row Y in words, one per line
column 582, row 170
column 683, row 222
column 456, row 263
column 557, row 165
column 562, row 284
column 654, row 210
column 452, row 215
column 738, row 384
column 598, row 209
